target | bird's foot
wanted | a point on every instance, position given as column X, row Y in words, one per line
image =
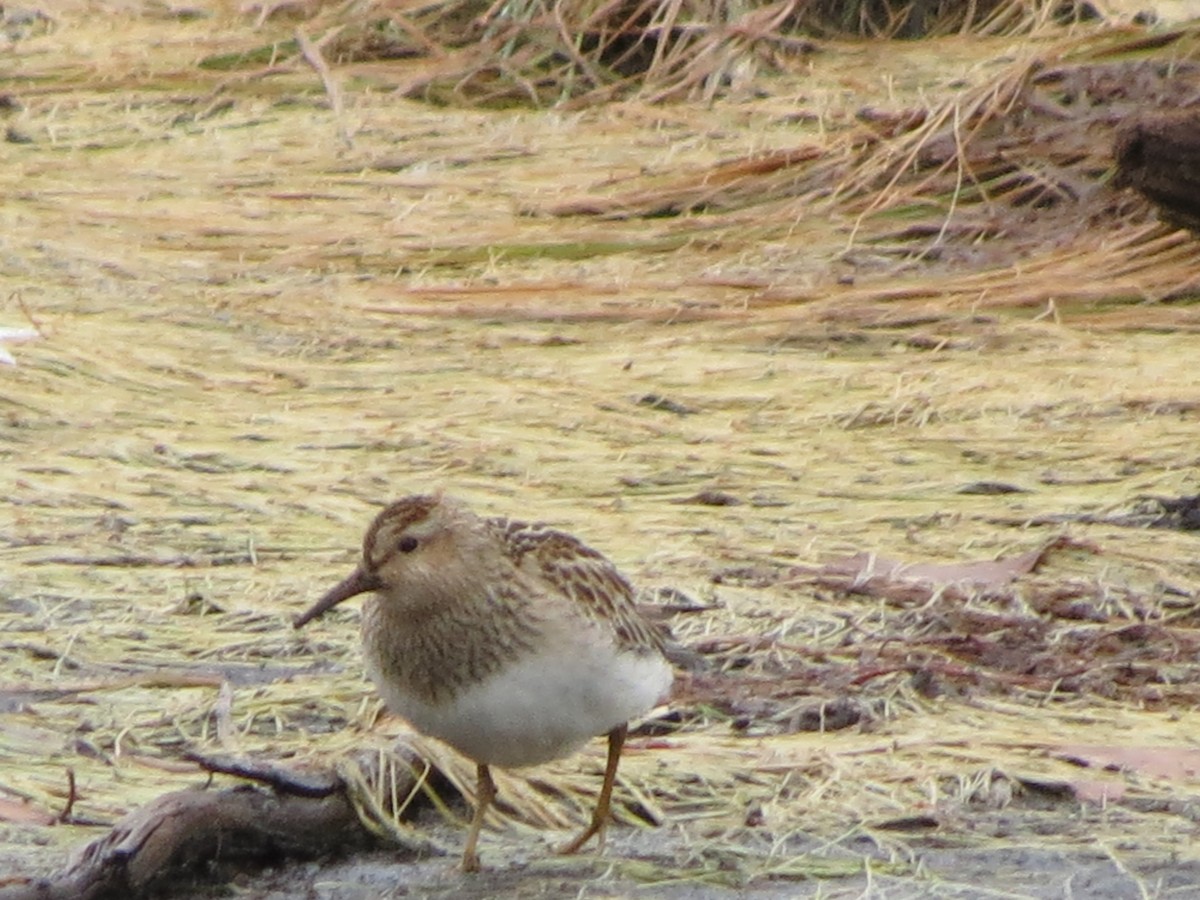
column 594, row 829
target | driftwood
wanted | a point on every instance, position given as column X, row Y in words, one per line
column 198, row 833
column 1158, row 155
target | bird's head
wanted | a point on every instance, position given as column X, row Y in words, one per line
column 417, row 549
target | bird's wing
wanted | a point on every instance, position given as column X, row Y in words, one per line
column 570, row 567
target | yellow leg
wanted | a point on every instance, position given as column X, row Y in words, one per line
column 485, row 793
column 616, row 740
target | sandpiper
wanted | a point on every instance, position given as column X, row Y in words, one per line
column 512, row 642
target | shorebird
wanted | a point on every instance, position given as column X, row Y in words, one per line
column 512, row 642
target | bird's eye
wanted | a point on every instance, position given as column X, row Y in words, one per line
column 407, row 544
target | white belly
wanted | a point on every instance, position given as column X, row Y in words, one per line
column 543, row 707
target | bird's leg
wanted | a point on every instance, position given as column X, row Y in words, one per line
column 485, row 793
column 616, row 740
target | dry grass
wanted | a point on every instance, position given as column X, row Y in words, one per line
column 261, row 319
column 556, row 52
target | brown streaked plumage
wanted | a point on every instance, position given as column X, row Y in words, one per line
column 512, row 642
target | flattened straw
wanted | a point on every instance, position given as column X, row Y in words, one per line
column 365, row 789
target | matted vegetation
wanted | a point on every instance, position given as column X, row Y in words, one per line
column 878, row 304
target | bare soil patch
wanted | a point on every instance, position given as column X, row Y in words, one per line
column 865, row 372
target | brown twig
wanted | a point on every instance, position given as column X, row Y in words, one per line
column 37, row 326
column 312, row 54
column 285, row 781
column 299, row 816
column 65, row 815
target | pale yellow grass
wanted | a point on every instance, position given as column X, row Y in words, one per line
column 253, row 335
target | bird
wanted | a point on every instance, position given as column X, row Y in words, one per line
column 513, row 642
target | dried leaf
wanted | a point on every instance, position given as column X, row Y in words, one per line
column 1176, row 763
column 21, row 812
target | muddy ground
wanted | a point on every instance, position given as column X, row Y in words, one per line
column 254, row 331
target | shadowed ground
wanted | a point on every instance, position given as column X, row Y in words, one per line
column 254, row 333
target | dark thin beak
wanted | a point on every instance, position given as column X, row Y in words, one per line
column 359, row 582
